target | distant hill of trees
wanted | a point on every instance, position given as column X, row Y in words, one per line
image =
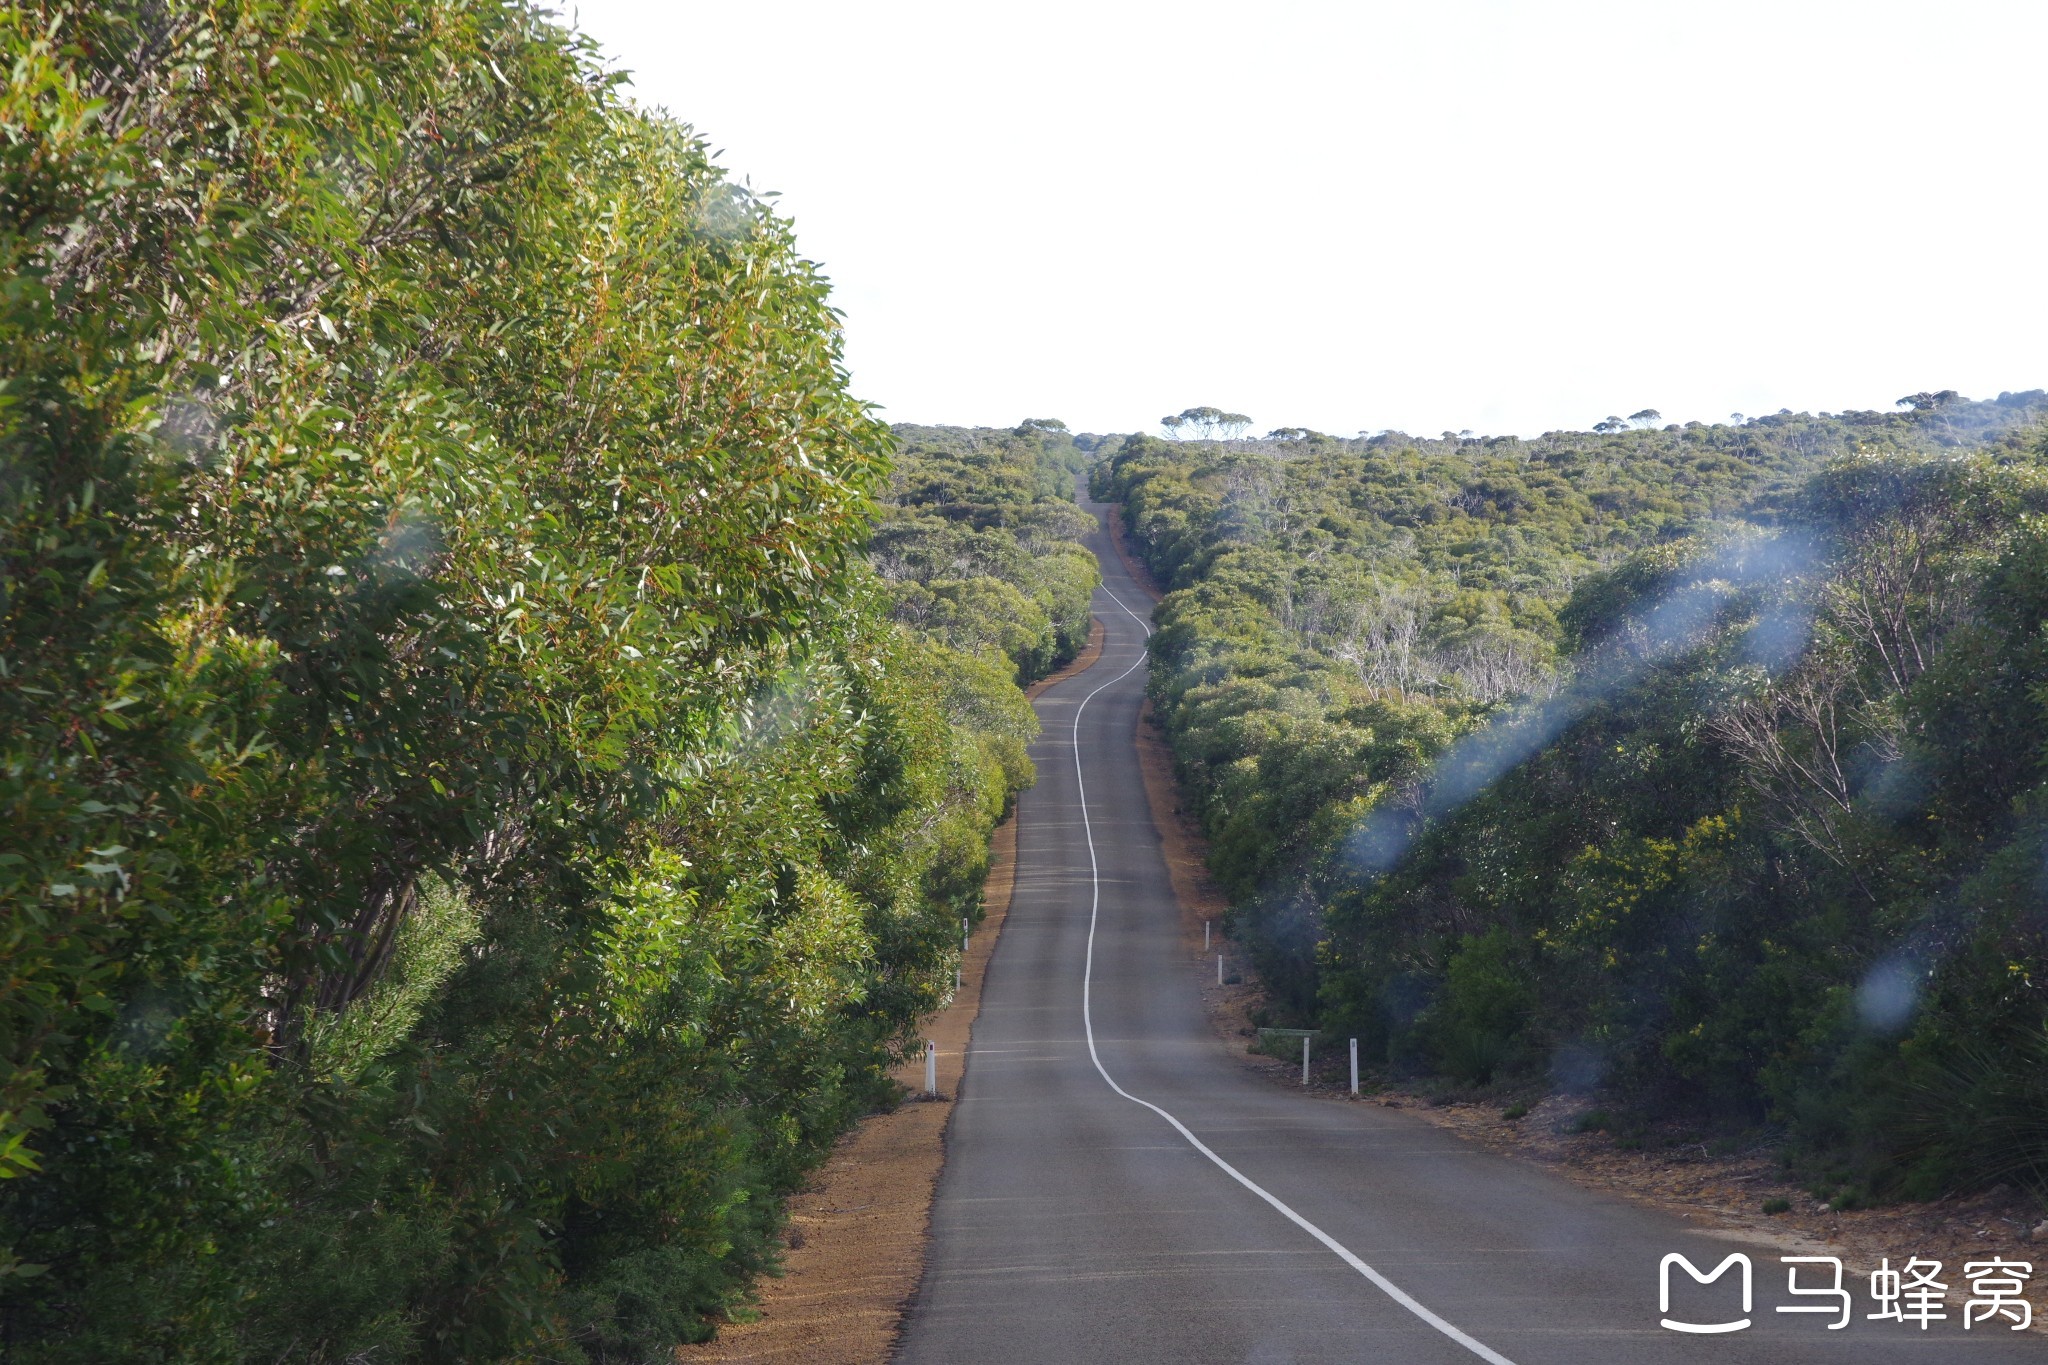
column 981, row 542
column 1698, row 765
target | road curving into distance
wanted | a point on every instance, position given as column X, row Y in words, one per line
column 1118, row 1187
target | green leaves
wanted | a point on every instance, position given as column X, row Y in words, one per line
column 472, row 836
column 1759, row 796
column 982, row 542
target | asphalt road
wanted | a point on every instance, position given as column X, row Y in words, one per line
column 1079, row 1220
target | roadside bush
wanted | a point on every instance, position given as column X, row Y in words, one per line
column 470, row 833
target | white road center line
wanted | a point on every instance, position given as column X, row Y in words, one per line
column 1387, row 1286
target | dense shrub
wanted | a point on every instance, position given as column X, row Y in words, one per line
column 1695, row 766
column 473, row 833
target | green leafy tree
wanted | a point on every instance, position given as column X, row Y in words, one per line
column 1206, row 424
column 473, row 830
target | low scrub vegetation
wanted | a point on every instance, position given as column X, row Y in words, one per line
column 1697, row 767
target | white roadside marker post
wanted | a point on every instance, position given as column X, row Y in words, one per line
column 1219, row 969
column 1304, row 1061
column 931, row 1067
column 1354, row 1066
column 1205, row 936
column 963, row 935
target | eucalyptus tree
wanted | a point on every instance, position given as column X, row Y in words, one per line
column 1929, row 402
column 472, row 832
column 1206, row 424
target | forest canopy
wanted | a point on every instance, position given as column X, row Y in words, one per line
column 981, row 542
column 1693, row 766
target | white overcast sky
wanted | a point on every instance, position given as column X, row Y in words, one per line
column 1507, row 215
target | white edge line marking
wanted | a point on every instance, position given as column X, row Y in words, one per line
column 1385, row 1285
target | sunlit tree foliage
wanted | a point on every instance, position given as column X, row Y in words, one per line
column 1689, row 764
column 473, row 827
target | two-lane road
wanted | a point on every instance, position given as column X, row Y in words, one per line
column 1118, row 1188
